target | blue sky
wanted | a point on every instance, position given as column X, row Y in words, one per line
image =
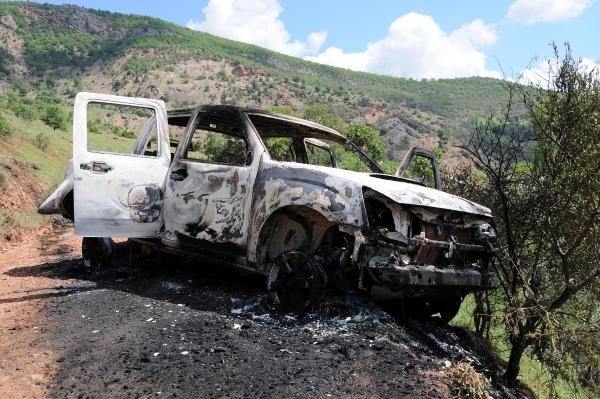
column 420, row 39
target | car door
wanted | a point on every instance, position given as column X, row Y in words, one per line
column 120, row 159
column 420, row 165
column 209, row 187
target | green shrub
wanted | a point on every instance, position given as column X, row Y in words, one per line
column 128, row 134
column 42, row 141
column 367, row 139
column 25, row 111
column 55, row 117
column 4, row 127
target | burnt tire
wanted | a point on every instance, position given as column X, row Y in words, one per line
column 97, row 252
column 439, row 311
column 295, row 282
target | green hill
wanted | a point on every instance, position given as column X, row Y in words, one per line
column 55, row 51
column 49, row 53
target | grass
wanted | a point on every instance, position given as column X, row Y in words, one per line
column 532, row 373
column 467, row 383
column 13, row 224
column 47, row 166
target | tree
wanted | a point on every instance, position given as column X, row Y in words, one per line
column 137, row 67
column 539, row 166
column 55, row 117
column 320, row 114
column 367, row 139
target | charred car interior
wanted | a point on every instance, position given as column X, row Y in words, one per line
column 276, row 195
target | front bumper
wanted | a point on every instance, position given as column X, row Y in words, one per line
column 398, row 276
column 393, row 280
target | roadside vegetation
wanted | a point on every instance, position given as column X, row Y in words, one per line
column 540, row 174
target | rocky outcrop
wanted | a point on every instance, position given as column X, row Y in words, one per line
column 241, row 71
column 8, row 21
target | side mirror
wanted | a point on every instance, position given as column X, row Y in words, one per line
column 422, row 166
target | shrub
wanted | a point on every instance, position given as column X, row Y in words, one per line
column 367, row 139
column 466, row 382
column 55, row 117
column 25, row 111
column 42, row 141
column 128, row 134
column 4, row 127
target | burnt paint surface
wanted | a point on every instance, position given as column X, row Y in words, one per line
column 288, row 184
column 145, row 203
column 208, row 202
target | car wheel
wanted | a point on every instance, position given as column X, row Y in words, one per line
column 438, row 311
column 442, row 311
column 296, row 281
column 97, row 252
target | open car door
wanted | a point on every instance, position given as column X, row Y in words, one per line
column 420, row 166
column 120, row 161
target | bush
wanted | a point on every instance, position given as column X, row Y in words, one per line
column 466, row 382
column 42, row 141
column 125, row 133
column 367, row 139
column 55, row 117
column 25, row 111
column 4, row 127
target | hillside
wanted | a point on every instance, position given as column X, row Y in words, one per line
column 59, row 50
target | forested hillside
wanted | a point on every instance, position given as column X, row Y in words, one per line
column 51, row 52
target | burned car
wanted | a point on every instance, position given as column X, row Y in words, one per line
column 271, row 194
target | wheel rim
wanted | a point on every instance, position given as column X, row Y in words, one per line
column 295, row 281
column 96, row 252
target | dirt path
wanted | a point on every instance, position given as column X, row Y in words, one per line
column 166, row 327
column 28, row 362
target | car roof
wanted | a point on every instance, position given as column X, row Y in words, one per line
column 292, row 120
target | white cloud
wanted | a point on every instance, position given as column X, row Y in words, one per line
column 255, row 22
column 417, row 47
column 537, row 75
column 476, row 33
column 543, row 73
column 532, row 11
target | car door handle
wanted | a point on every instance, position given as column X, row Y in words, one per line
column 96, row 166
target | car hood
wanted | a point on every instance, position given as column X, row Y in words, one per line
column 403, row 192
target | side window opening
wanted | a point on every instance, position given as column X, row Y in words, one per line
column 121, row 129
column 420, row 165
column 217, row 141
column 280, row 148
column 421, row 170
column 348, row 159
column 319, row 153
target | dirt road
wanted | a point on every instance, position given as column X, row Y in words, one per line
column 166, row 327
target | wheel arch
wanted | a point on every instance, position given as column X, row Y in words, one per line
column 296, row 227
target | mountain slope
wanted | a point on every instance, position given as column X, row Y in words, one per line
column 67, row 48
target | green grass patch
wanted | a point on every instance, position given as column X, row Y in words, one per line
column 532, row 372
column 45, row 164
column 13, row 224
